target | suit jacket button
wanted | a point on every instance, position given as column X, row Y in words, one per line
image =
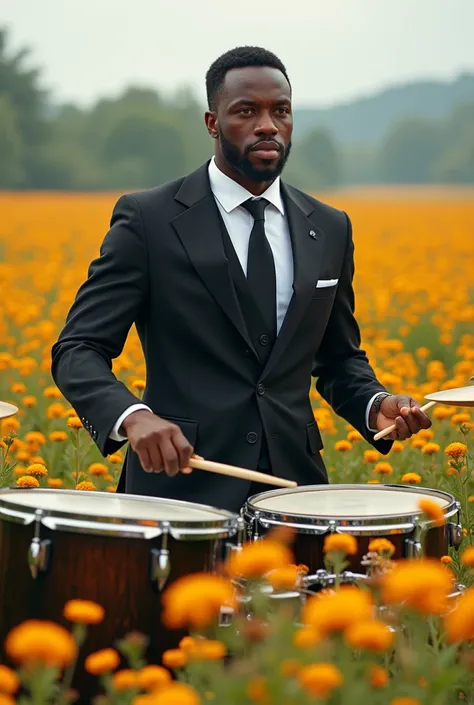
column 260, row 389
column 263, row 340
column 251, row 437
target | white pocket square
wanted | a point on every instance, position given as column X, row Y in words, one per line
column 322, row 283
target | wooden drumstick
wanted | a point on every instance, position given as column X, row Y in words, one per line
column 242, row 473
column 389, row 429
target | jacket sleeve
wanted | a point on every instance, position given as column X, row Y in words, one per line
column 345, row 378
column 106, row 305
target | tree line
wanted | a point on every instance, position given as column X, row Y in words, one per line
column 142, row 138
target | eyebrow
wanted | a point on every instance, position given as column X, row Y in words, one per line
column 247, row 101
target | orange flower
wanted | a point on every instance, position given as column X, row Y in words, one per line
column 467, row 557
column 340, row 543
column 382, row 546
column 455, row 450
column 446, row 560
column 258, row 558
column 139, row 384
column 55, row 482
column 372, row 635
column 343, row 446
column 18, row 388
column 195, row 600
column 125, row 680
column 103, row 661
column 27, row 481
column 153, row 677
column 29, row 401
column 9, row 681
column 283, row 578
column 207, row 650
column 460, row 418
column 411, row 478
column 257, row 690
column 442, row 412
column 57, row 436
column 83, row 611
column 430, row 448
column 383, row 468
column 35, row 438
column 378, row 676
column 418, row 443
column 115, row 458
column 290, row 667
column 306, row 637
column 337, row 611
column 175, row 658
column 36, row 470
column 405, row 701
column 97, row 469
column 86, row 486
column 353, row 436
column 371, row 456
column 422, row 585
column 433, row 511
column 74, row 422
column 36, row 641
column 397, row 447
column 174, row 694
column 6, row 699
column 319, row 679
column 55, row 411
column 459, row 622
column 52, row 393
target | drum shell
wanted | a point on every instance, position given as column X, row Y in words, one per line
column 113, row 570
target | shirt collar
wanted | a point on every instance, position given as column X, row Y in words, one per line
column 230, row 194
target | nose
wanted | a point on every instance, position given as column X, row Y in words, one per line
column 266, row 126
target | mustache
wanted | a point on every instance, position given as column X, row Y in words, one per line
column 277, row 145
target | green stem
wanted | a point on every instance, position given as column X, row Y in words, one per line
column 77, row 459
column 79, row 633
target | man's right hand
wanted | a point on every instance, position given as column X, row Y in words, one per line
column 159, row 444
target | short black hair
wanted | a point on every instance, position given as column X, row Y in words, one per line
column 238, row 58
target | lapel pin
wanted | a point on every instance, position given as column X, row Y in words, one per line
column 313, row 234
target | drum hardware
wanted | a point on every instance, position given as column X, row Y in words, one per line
column 323, row 579
column 39, row 552
column 160, row 564
column 455, row 529
column 240, row 534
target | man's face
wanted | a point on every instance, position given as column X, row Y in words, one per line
column 253, row 122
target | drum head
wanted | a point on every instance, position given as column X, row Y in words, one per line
column 348, row 501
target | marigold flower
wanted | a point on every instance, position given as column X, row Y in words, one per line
column 433, row 511
column 174, row 694
column 397, row 447
column 258, row 558
column 423, row 585
column 175, row 658
column 83, row 611
column 372, row 635
column 418, row 443
column 57, row 436
column 9, row 425
column 111, row 488
column 139, row 384
column 153, row 677
column 343, row 446
column 103, row 661
column 455, row 450
column 405, row 701
column 382, row 546
column 319, row 679
column 470, row 499
column 36, row 470
column 378, row 676
column 36, row 641
column 373, row 482
column 343, row 543
column 29, row 401
column 74, row 422
column 430, row 448
column 6, row 699
column 459, row 622
column 257, row 690
column 35, row 437
column 383, row 468
column 446, row 560
column 290, row 667
column 126, row 679
column 458, row 419
column 115, row 458
column 207, row 650
column 442, row 412
column 9, row 681
column 55, row 482
column 371, row 456
column 27, row 481
column 52, row 393
column 337, row 611
column 97, row 469
column 38, row 459
column 18, row 388
column 23, row 456
column 411, row 478
column 86, row 486
column 467, row 557
column 195, row 600
column 285, row 577
column 306, row 637
column 354, row 436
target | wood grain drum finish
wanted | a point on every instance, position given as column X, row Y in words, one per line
column 101, row 550
column 387, row 511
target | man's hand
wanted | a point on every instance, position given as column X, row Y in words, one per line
column 404, row 412
column 159, row 444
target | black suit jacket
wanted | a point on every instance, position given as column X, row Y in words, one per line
column 163, row 267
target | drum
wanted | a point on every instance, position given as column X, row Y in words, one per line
column 365, row 511
column 120, row 551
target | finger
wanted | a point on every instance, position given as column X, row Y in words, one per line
column 145, row 460
column 183, row 448
column 423, row 419
column 410, row 420
column 170, row 457
column 156, row 457
column 403, row 430
column 186, row 471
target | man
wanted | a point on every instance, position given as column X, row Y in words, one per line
column 241, row 288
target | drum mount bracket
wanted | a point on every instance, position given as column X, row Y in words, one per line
column 39, row 552
column 160, row 564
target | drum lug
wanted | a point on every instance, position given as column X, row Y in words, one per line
column 160, row 564
column 454, row 534
column 241, row 531
column 39, row 552
column 324, row 579
column 414, row 548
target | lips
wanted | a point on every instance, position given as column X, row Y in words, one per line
column 266, row 150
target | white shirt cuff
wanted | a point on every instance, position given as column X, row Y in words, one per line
column 367, row 413
column 114, row 435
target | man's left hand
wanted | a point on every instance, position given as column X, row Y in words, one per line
column 403, row 411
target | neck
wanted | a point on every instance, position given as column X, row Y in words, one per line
column 254, row 187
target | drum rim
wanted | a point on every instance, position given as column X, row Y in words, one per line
column 253, row 511
column 225, row 519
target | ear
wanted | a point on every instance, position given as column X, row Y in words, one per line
column 210, row 119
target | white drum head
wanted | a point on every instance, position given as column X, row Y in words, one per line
column 355, row 501
column 96, row 505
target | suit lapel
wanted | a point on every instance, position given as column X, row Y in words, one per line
column 198, row 228
column 307, row 242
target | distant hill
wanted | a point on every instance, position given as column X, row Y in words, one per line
column 366, row 120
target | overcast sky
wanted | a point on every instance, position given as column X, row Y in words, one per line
column 333, row 49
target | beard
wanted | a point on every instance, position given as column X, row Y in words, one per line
column 241, row 163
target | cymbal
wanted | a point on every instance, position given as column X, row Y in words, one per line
column 7, row 410
column 459, row 396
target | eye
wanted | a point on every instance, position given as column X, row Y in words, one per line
column 283, row 110
column 245, row 111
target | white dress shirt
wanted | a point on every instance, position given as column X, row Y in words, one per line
column 229, row 196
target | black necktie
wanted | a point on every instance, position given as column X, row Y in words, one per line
column 261, row 275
